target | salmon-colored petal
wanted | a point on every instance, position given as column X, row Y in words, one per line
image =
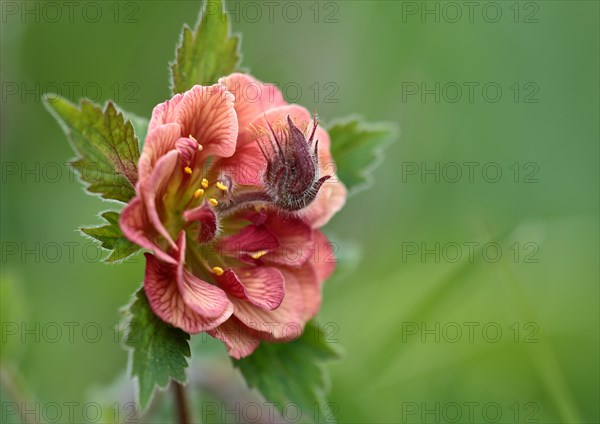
column 208, row 115
column 311, row 289
column 323, row 261
column 153, row 189
column 240, row 340
column 167, row 303
column 263, row 287
column 159, row 141
column 203, row 298
column 165, row 113
column 295, row 240
column 252, row 97
column 283, row 323
column 136, row 227
column 330, row 199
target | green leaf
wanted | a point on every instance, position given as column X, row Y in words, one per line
column 158, row 351
column 140, row 127
column 106, row 145
column 357, row 149
column 287, row 373
column 208, row 52
column 111, row 238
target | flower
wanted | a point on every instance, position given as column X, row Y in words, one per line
column 233, row 186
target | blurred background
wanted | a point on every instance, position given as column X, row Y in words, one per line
column 467, row 289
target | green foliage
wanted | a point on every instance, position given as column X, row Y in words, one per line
column 111, row 238
column 106, row 145
column 208, row 52
column 287, row 373
column 158, row 351
column 357, row 149
column 140, row 127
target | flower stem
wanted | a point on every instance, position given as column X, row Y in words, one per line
column 181, row 405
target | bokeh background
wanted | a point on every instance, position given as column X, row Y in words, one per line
column 509, row 333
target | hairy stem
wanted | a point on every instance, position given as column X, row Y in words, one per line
column 181, row 405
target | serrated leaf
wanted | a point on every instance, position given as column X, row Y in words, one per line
column 208, row 52
column 140, row 127
column 158, row 351
column 111, row 238
column 106, row 145
column 287, row 373
column 357, row 149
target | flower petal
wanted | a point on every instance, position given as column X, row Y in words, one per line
column 203, row 298
column 136, row 227
column 208, row 115
column 262, row 286
column 283, row 323
column 251, row 238
column 311, row 289
column 295, row 240
column 330, row 199
column 206, row 218
column 165, row 113
column 324, row 261
column 252, row 97
column 159, row 141
column 153, row 189
column 165, row 300
column 240, row 340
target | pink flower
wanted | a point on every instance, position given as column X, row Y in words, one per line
column 233, row 186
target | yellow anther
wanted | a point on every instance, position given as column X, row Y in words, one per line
column 204, row 183
column 187, row 170
column 218, row 270
column 221, row 186
column 200, row 147
column 198, row 193
column 259, row 254
column 213, row 201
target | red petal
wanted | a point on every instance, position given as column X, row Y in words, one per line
column 262, row 286
column 240, row 340
column 162, row 290
column 283, row 323
column 295, row 240
column 251, row 238
column 136, row 227
column 207, row 220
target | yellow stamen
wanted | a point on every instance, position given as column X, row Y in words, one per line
column 221, row 186
column 213, row 201
column 204, row 183
column 187, row 170
column 259, row 254
column 198, row 193
column 218, row 270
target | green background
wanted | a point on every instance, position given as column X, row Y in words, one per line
column 542, row 293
